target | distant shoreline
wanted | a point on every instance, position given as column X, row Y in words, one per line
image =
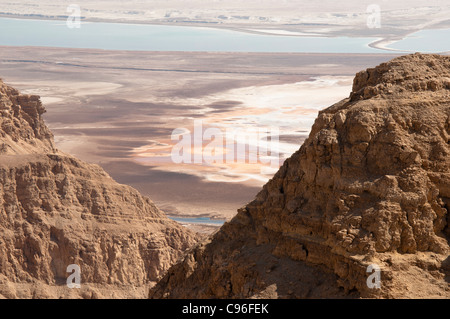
column 380, row 44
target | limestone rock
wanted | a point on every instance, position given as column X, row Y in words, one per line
column 370, row 186
column 56, row 210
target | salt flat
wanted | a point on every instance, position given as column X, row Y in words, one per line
column 291, row 108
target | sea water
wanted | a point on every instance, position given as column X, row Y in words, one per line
column 143, row 37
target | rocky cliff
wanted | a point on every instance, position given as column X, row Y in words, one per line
column 369, row 187
column 56, row 210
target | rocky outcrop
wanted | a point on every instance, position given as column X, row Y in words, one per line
column 56, row 211
column 22, row 130
column 370, row 186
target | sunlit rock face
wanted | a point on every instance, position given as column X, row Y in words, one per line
column 369, row 189
column 57, row 211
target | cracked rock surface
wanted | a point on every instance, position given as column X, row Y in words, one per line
column 371, row 185
column 56, row 210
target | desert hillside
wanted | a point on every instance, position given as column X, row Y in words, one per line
column 370, row 186
column 56, row 211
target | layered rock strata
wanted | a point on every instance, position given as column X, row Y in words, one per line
column 369, row 189
column 56, row 211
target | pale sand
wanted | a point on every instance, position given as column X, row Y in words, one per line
column 55, row 91
column 284, row 32
column 297, row 16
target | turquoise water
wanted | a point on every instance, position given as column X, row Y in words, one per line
column 198, row 220
column 140, row 37
column 426, row 41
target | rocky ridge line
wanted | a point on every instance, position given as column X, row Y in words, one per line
column 370, row 186
column 56, row 210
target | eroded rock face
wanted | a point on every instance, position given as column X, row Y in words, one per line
column 22, row 130
column 371, row 185
column 56, row 210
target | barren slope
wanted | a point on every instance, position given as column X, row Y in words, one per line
column 56, row 211
column 371, row 185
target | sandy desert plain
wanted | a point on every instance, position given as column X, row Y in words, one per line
column 120, row 108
